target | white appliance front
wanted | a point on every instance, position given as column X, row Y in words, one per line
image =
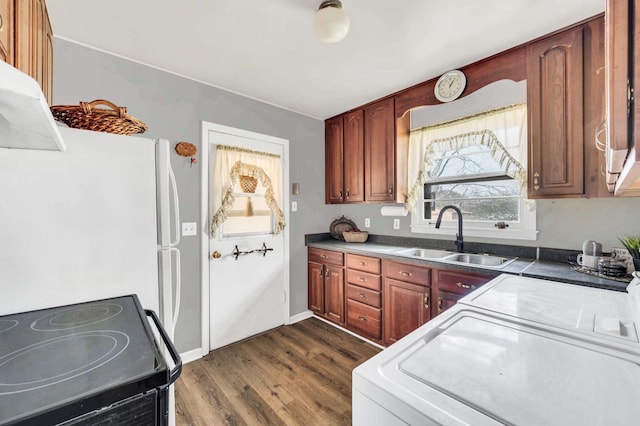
column 475, row 366
column 80, row 225
column 604, row 315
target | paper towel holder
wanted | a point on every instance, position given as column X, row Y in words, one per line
column 398, row 210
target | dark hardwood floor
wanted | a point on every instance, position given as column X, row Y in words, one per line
column 298, row 374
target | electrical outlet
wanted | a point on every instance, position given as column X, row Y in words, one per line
column 396, row 223
column 189, row 229
column 294, row 206
column 367, row 222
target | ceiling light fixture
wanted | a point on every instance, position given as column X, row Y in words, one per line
column 331, row 23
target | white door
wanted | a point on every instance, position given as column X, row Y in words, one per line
column 247, row 291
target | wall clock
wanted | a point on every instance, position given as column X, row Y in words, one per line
column 450, row 85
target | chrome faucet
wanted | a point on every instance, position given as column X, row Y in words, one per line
column 459, row 243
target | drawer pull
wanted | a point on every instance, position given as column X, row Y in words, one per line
column 426, row 301
column 462, row 285
column 406, row 274
column 324, row 256
column 440, row 304
column 362, row 296
column 363, row 263
column 361, row 318
column 363, row 280
column 1, row 23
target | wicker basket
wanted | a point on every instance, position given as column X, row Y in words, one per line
column 86, row 116
column 355, row 236
column 248, row 184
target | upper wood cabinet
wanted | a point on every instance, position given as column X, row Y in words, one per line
column 360, row 155
column 565, row 87
column 6, row 31
column 344, row 162
column 26, row 40
column 379, row 148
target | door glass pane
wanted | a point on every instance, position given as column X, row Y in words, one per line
column 250, row 215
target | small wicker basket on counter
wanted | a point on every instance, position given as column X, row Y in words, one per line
column 355, row 236
column 87, row 116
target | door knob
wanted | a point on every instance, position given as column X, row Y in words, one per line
column 216, row 254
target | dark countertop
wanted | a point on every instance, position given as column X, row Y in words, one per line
column 524, row 266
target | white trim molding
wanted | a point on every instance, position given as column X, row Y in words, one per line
column 300, row 317
column 192, row 355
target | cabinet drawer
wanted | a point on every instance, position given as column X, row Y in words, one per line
column 364, row 279
column 364, row 319
column 459, row 282
column 326, row 256
column 363, row 263
column 364, row 295
column 408, row 273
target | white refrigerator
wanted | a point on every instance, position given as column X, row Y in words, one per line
column 98, row 220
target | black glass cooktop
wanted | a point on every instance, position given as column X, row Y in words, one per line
column 96, row 352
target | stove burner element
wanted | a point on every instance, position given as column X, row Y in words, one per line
column 90, row 350
column 6, row 325
column 76, row 317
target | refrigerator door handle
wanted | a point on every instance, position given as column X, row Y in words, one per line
column 176, row 206
column 176, row 307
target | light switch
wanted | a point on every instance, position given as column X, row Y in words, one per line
column 189, row 229
column 367, row 222
column 294, row 206
column 396, row 223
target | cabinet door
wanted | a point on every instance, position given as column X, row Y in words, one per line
column 315, row 273
column 555, row 103
column 334, row 293
column 6, row 31
column 446, row 300
column 405, row 308
column 333, row 161
column 353, row 149
column 379, row 148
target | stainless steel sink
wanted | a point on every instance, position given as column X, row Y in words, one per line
column 423, row 253
column 479, row 259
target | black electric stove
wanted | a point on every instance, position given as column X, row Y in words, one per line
column 84, row 364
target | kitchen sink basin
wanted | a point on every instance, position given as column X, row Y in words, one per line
column 423, row 253
column 479, row 259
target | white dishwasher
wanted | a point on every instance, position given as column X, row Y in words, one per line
column 517, row 351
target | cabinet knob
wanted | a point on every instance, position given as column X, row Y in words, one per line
column 363, row 263
column 361, row 318
column 426, row 301
column 216, row 254
column 362, row 296
column 440, row 304
column 390, row 189
column 406, row 274
column 362, row 280
column 347, row 193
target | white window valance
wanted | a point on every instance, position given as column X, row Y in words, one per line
column 502, row 131
column 230, row 164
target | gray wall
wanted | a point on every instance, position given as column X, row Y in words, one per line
column 174, row 107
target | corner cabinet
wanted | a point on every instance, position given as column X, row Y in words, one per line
column 565, row 84
column 26, row 40
column 326, row 284
column 360, row 155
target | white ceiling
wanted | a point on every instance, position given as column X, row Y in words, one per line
column 266, row 49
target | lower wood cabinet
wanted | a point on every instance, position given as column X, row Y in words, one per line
column 382, row 300
column 450, row 286
column 364, row 296
column 326, row 284
column 406, row 299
